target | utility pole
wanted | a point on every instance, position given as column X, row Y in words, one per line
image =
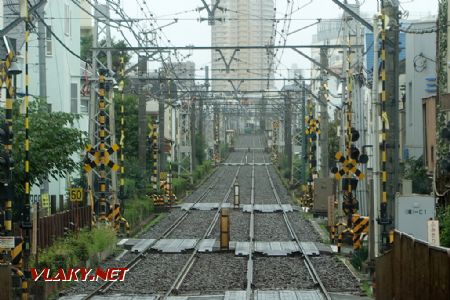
column 376, row 196
column 389, row 114
column 101, row 134
column 42, row 56
column 304, row 140
column 162, row 123
column 323, row 140
column 288, row 131
column 142, row 116
column 216, row 133
column 201, row 128
column 193, row 121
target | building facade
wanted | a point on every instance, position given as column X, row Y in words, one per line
column 61, row 71
column 244, row 22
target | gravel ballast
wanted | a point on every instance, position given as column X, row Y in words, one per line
column 216, row 272
column 335, row 275
column 194, row 226
column 303, row 228
column 271, row 227
column 280, row 273
column 156, row 273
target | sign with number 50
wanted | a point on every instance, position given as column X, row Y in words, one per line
column 76, row 194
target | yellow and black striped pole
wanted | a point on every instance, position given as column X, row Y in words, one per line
column 384, row 199
column 26, row 217
column 169, row 155
column 216, row 122
column 158, row 201
column 102, row 145
column 122, row 136
column 8, row 144
column 312, row 139
column 348, row 193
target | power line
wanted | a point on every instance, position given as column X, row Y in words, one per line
column 58, row 39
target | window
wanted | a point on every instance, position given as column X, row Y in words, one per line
column 48, row 41
column 67, row 19
column 84, row 106
column 74, row 98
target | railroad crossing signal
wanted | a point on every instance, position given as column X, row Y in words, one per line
column 313, row 127
column 93, row 159
column 350, row 161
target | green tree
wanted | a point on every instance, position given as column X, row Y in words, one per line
column 54, row 144
column 445, row 227
column 86, row 52
column 414, row 169
column 200, row 148
column 136, row 180
column 333, row 141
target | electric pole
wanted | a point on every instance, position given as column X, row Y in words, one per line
column 389, row 113
column 193, row 121
column 323, row 140
column 142, row 116
column 288, row 131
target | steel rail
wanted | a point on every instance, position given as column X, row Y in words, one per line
column 315, row 277
column 193, row 257
column 134, row 262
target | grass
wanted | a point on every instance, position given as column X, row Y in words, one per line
column 367, row 288
column 75, row 249
column 137, row 210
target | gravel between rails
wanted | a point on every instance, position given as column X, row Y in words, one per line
column 271, row 227
column 216, row 272
column 263, row 189
column 335, row 275
column 239, row 226
column 194, row 226
column 279, row 187
column 219, row 190
column 86, row 287
column 158, row 229
column 303, row 228
column 245, row 185
column 156, row 273
column 281, row 273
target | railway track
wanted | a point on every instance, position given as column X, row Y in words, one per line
column 309, row 265
column 193, row 257
column 199, row 273
column 168, row 232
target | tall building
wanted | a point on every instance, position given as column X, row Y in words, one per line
column 244, row 22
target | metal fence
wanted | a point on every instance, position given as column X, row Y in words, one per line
column 413, row 270
column 54, row 226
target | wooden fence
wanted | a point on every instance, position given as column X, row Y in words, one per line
column 54, row 226
column 413, row 269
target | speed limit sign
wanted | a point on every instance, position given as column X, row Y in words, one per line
column 76, row 194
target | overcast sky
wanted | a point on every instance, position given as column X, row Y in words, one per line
column 189, row 31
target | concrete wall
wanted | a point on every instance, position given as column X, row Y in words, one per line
column 420, row 57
